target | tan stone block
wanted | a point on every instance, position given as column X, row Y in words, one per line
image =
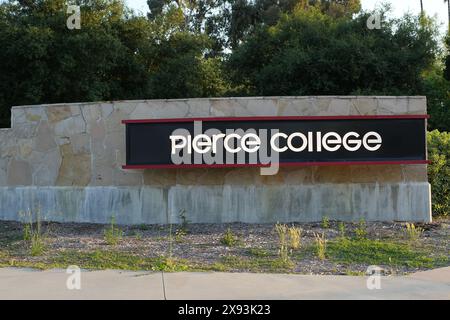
column 297, row 107
column 332, row 174
column 91, row 112
column 142, row 111
column 106, row 109
column 58, row 113
column 70, row 126
column 415, row 172
column 276, row 179
column 102, row 175
column 297, row 175
column 24, row 130
column 19, row 173
column 160, row 177
column 125, row 107
column 260, row 107
column 377, row 173
column 338, row 106
column 33, row 114
column 75, row 169
column 97, row 131
column 168, row 109
column 114, row 121
column 25, row 148
column 81, row 143
column 364, row 106
column 224, row 107
column 9, row 150
column 417, row 105
column 45, row 167
column 389, row 173
column 3, row 171
column 199, row 108
column 322, row 104
column 242, row 176
column 201, row 176
column 75, row 109
column 45, row 138
column 392, row 105
column 364, row 173
column 18, row 116
column 123, row 177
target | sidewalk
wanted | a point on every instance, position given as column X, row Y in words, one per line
column 112, row 284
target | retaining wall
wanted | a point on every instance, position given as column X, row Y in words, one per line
column 66, row 160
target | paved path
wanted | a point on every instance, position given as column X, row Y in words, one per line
column 111, row 284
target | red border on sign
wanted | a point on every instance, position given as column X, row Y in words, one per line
column 336, row 163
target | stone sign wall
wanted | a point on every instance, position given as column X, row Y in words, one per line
column 65, row 160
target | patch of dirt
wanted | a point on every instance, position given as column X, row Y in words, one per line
column 201, row 243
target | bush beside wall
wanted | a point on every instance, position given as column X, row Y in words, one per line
column 439, row 171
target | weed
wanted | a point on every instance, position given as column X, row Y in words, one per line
column 138, row 235
column 325, row 222
column 37, row 245
column 179, row 235
column 32, row 232
column 413, row 233
column 361, row 230
column 321, row 245
column 113, row 234
column 341, row 227
column 184, row 221
column 295, row 237
column 283, row 251
column 170, row 241
column 27, row 232
column 258, row 252
column 143, row 227
column 229, row 239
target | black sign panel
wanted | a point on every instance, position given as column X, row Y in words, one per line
column 297, row 141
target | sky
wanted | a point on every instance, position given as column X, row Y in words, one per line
column 399, row 7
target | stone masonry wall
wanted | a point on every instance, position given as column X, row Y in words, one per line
column 67, row 160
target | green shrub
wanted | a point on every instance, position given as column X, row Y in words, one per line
column 361, row 229
column 325, row 222
column 229, row 239
column 439, row 171
column 113, row 234
column 283, row 245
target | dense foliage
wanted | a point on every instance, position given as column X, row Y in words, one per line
column 308, row 52
column 439, row 171
column 115, row 55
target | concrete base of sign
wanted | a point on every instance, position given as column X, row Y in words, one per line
column 218, row 204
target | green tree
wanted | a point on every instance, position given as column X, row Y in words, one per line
column 447, row 58
column 309, row 53
column 439, row 171
column 43, row 61
column 437, row 90
column 115, row 55
column 228, row 22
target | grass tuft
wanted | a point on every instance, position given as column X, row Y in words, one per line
column 321, row 245
column 113, row 234
column 229, row 239
column 413, row 233
column 375, row 252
